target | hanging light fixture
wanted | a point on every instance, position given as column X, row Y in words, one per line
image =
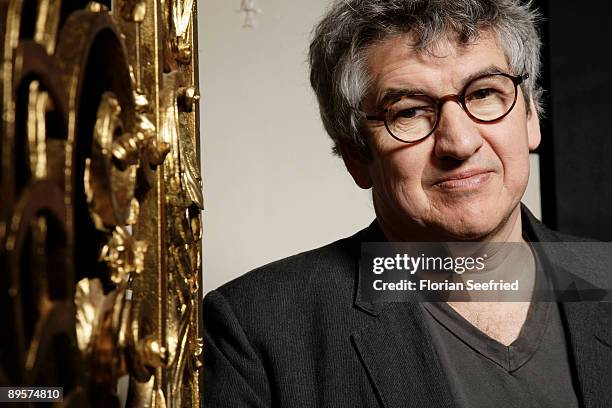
column 250, row 10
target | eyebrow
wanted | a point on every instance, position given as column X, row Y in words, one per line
column 396, row 93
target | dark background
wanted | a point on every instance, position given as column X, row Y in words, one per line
column 575, row 162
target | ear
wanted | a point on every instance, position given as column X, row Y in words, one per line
column 534, row 136
column 356, row 165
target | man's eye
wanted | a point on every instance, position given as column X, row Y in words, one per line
column 407, row 113
column 481, row 94
column 411, row 112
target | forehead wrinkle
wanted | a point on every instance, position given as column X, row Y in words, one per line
column 392, row 67
column 428, row 65
column 400, row 71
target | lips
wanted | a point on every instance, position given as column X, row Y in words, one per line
column 465, row 180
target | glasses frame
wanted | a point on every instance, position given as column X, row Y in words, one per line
column 459, row 98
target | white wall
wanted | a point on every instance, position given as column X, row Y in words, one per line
column 271, row 186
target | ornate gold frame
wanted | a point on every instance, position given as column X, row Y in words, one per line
column 101, row 194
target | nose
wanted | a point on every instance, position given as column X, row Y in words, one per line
column 456, row 135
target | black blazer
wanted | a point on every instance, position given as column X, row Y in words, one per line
column 295, row 333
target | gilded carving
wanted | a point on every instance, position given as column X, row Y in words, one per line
column 181, row 20
column 110, row 172
column 89, row 296
column 124, row 255
column 184, row 203
column 37, row 145
column 100, row 224
column 134, row 10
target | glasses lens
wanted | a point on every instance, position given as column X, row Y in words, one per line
column 491, row 97
column 411, row 118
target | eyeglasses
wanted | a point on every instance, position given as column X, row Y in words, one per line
column 411, row 118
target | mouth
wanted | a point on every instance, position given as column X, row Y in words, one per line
column 465, row 180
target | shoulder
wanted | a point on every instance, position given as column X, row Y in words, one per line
column 296, row 270
column 292, row 286
column 585, row 258
column 539, row 232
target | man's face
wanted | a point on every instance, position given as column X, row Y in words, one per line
column 466, row 179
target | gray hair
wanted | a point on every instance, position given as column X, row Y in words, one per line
column 338, row 71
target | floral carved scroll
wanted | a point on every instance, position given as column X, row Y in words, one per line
column 100, row 215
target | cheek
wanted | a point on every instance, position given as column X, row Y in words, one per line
column 398, row 174
column 513, row 152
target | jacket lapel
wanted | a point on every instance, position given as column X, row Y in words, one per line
column 590, row 335
column 397, row 352
column 588, row 323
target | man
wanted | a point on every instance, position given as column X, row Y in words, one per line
column 434, row 106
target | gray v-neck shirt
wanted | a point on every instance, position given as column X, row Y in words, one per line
column 535, row 371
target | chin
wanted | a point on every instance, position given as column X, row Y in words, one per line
column 469, row 233
column 471, row 224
